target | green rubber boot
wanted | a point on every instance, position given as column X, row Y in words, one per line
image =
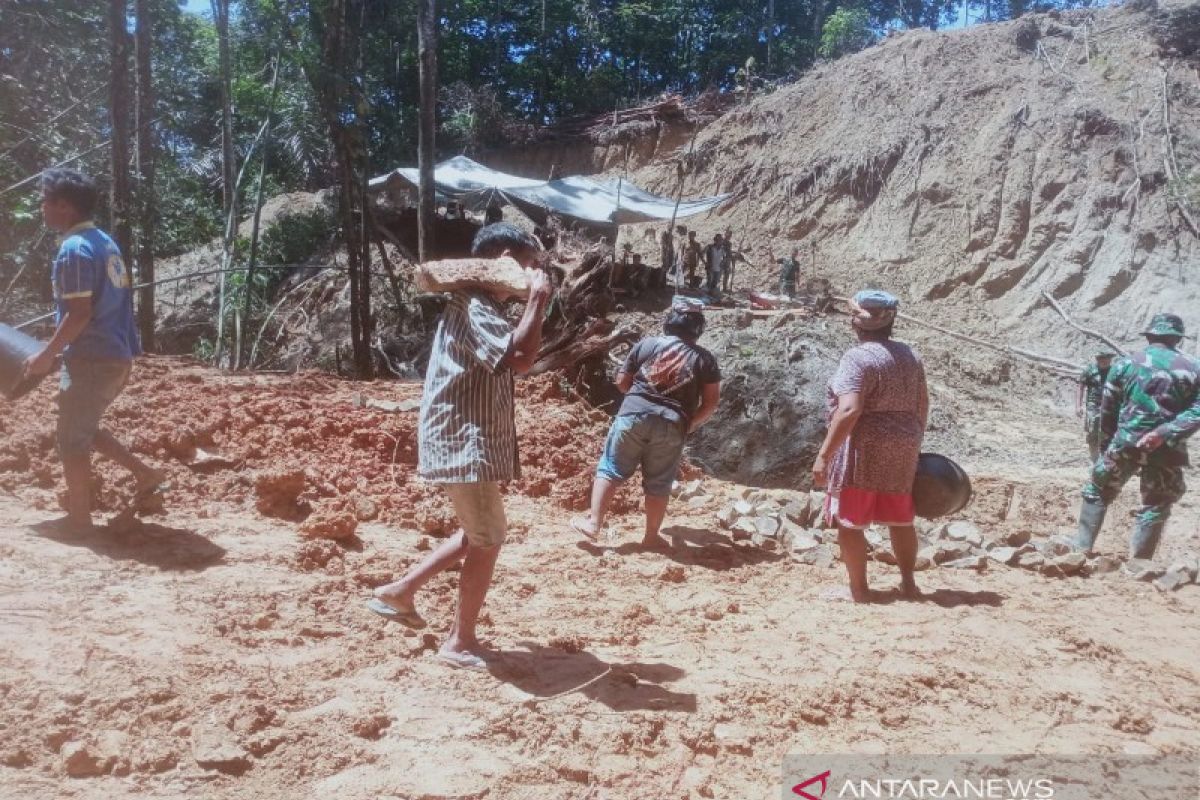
column 1091, row 517
column 1146, row 534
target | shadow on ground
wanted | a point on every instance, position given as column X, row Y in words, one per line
column 547, row 672
column 166, row 548
column 695, row 546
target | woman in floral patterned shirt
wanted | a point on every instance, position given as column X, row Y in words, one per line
column 878, row 405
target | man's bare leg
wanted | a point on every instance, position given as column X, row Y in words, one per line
column 147, row 476
column 77, row 472
column 473, row 586
column 603, row 491
column 904, row 545
column 401, row 594
column 656, row 512
column 854, row 555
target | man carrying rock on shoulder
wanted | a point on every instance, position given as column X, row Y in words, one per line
column 467, row 438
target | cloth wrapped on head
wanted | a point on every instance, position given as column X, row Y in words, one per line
column 873, row 309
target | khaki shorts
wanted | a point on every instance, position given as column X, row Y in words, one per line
column 480, row 511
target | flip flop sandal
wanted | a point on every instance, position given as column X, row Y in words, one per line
column 467, row 661
column 577, row 525
column 409, row 618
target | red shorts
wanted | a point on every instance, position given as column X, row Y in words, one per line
column 859, row 508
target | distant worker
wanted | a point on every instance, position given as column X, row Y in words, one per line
column 493, row 214
column 714, row 261
column 672, row 386
column 691, row 260
column 731, row 258
column 97, row 339
column 620, row 272
column 467, row 438
column 1151, row 406
column 878, row 408
column 789, row 272
column 666, row 266
column 1087, row 402
column 637, row 276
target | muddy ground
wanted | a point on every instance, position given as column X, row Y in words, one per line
column 219, row 652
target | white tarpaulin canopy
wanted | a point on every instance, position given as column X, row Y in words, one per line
column 611, row 202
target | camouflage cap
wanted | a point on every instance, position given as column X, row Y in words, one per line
column 1165, row 325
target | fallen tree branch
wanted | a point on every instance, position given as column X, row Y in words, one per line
column 1058, row 366
column 1089, row 331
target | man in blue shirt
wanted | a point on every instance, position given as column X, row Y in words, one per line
column 95, row 335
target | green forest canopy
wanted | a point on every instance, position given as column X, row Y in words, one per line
column 504, row 68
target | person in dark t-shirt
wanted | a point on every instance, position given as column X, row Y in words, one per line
column 671, row 387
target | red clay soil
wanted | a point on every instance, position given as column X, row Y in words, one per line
column 303, row 449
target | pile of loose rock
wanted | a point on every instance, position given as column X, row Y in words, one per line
column 788, row 521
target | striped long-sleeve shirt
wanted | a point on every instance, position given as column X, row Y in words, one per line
column 467, row 433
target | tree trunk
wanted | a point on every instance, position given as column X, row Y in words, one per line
column 118, row 113
column 252, row 262
column 818, row 25
column 148, row 206
column 427, row 49
column 544, row 86
column 770, row 37
column 220, row 10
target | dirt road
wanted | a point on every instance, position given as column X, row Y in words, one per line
column 231, row 642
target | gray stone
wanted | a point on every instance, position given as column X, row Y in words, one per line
column 885, row 556
column 768, row 508
column 1070, row 564
column 726, row 517
column 743, row 508
column 950, row 550
column 875, row 540
column 927, row 552
column 1056, row 546
column 764, row 542
column 1015, row 538
column 1003, row 555
column 1142, row 569
column 691, row 489
column 766, row 526
column 797, row 510
column 216, row 747
column 804, row 541
column 820, row 556
column 1173, row 579
column 745, row 527
column 922, row 563
column 1031, row 560
column 79, row 761
column 975, row 562
column 964, row 531
column 938, row 531
column 1102, row 565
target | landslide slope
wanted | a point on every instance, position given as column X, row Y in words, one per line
column 971, row 170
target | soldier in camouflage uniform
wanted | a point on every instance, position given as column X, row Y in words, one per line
column 1087, row 403
column 1151, row 406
